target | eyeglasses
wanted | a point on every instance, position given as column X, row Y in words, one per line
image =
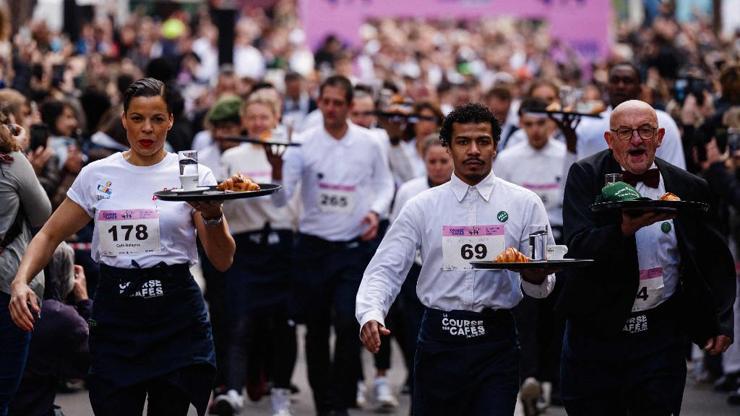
column 645, row 132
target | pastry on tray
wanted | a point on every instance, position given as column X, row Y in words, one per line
column 511, row 255
column 238, row 183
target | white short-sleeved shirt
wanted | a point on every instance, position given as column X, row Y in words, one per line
column 120, row 198
column 247, row 215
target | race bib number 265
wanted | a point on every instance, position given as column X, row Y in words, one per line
column 134, row 231
column 463, row 244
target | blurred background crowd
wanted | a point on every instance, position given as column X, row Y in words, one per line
column 65, row 64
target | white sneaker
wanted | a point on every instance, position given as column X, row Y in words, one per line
column 228, row 404
column 544, row 401
column 529, row 394
column 361, row 401
column 280, row 402
column 383, row 394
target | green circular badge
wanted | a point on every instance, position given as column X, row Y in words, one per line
column 502, row 216
column 666, row 227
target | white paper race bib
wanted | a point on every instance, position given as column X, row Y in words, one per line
column 466, row 243
column 129, row 231
column 338, row 199
column 549, row 193
column 650, row 290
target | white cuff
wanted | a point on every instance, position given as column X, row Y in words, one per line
column 539, row 291
column 372, row 316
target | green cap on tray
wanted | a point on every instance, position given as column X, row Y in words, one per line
column 618, row 192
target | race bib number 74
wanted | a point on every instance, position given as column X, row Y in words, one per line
column 463, row 244
column 133, row 231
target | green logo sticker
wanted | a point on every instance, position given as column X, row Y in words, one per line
column 666, row 227
column 502, row 216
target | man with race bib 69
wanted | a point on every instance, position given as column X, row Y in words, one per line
column 467, row 354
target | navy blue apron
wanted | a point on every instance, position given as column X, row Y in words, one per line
column 466, row 363
column 147, row 323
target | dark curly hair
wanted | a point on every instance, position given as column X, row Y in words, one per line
column 466, row 114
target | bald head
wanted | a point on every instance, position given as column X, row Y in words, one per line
column 634, row 135
column 633, row 107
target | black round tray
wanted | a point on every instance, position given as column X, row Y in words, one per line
column 213, row 194
column 255, row 140
column 538, row 264
column 567, row 113
column 653, row 205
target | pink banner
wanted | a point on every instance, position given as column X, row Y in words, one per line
column 583, row 24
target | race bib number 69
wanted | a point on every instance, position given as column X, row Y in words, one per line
column 463, row 244
column 129, row 232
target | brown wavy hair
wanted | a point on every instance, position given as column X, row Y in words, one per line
column 8, row 143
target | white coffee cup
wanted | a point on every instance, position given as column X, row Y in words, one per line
column 188, row 160
column 556, row 252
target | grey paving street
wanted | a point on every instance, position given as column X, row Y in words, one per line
column 699, row 399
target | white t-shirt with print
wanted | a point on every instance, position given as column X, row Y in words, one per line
column 130, row 223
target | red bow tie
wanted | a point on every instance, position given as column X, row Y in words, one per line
column 650, row 178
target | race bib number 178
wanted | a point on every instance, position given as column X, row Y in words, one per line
column 132, row 231
column 463, row 244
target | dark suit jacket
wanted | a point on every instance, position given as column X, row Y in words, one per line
column 599, row 298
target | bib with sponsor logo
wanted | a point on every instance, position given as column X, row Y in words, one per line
column 128, row 231
column 465, row 243
column 338, row 199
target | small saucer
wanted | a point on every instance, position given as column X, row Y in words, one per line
column 191, row 191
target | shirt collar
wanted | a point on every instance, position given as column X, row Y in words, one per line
column 347, row 139
column 484, row 187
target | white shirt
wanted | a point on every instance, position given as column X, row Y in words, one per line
column 246, row 215
column 540, row 171
column 112, row 187
column 656, row 249
column 407, row 191
column 201, row 140
column 211, row 157
column 590, row 133
column 491, row 203
column 341, row 181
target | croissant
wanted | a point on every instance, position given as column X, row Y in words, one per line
column 511, row 255
column 669, row 196
column 238, row 183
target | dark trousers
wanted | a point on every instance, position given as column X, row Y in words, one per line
column 262, row 340
column 650, row 386
column 14, row 344
column 327, row 277
column 540, row 332
column 275, row 333
column 458, row 375
column 641, row 373
column 169, row 395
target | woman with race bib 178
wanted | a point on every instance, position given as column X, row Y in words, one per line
column 150, row 337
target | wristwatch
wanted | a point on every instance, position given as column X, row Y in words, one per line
column 212, row 221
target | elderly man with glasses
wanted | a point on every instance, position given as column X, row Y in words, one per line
column 659, row 279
